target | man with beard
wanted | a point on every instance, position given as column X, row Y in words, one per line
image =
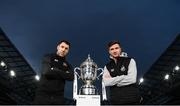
column 55, row 71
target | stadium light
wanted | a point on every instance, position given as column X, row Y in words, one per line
column 12, row 73
column 37, row 77
column 166, row 77
column 3, row 64
column 141, row 80
column 176, row 69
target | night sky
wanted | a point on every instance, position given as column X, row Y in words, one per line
column 145, row 28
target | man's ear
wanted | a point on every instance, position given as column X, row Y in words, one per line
column 57, row 47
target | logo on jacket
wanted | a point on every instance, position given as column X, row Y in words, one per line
column 112, row 70
column 123, row 68
column 56, row 60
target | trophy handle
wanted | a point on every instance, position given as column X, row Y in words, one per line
column 100, row 73
column 75, row 72
column 75, row 84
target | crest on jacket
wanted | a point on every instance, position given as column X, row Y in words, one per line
column 123, row 68
column 64, row 63
column 112, row 70
column 56, row 60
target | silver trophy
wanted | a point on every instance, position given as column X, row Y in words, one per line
column 88, row 74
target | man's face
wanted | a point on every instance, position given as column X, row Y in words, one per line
column 115, row 50
column 62, row 49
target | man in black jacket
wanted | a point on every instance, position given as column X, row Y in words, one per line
column 55, row 71
column 120, row 74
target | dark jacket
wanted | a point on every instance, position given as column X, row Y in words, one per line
column 55, row 71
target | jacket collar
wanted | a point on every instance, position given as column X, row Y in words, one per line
column 59, row 57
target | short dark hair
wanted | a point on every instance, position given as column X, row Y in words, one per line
column 65, row 41
column 112, row 43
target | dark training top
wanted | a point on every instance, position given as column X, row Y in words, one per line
column 55, row 71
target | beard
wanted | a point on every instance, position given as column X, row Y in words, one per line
column 62, row 54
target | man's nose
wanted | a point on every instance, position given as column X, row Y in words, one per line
column 63, row 49
column 114, row 50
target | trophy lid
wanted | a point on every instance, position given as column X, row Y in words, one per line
column 88, row 61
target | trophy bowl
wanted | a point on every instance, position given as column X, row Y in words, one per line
column 88, row 70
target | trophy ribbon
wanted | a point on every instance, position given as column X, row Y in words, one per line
column 75, row 87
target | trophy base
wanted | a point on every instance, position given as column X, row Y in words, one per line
column 88, row 90
column 90, row 100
